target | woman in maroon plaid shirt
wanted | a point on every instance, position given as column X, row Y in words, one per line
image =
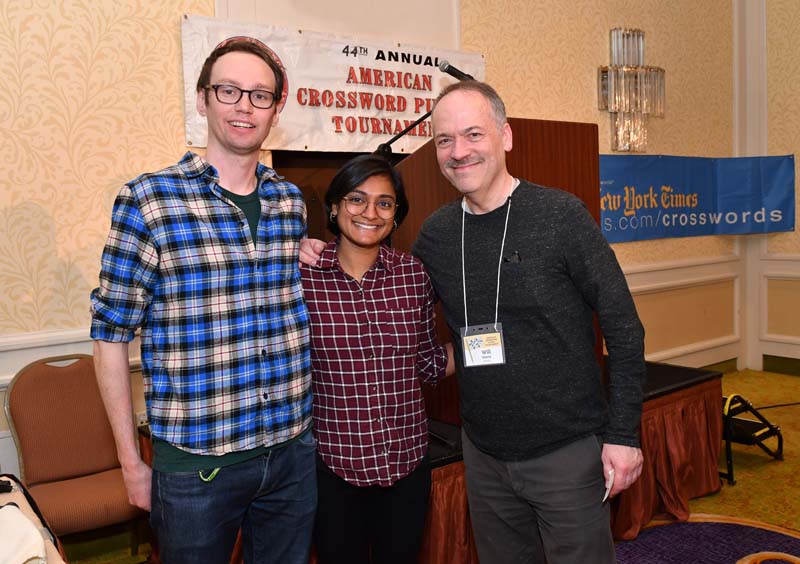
column 373, row 340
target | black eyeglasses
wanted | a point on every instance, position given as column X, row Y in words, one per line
column 229, row 94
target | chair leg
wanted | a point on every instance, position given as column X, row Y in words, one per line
column 135, row 531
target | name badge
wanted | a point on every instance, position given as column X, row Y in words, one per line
column 483, row 345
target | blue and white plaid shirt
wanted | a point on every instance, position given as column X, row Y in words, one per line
column 224, row 327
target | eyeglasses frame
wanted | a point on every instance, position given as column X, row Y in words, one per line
column 348, row 203
column 242, row 92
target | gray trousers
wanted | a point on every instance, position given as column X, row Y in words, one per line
column 546, row 510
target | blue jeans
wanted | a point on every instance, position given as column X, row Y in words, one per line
column 272, row 498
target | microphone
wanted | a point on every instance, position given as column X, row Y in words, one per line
column 445, row 66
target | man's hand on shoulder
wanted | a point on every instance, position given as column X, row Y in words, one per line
column 627, row 465
column 310, row 250
column 138, row 484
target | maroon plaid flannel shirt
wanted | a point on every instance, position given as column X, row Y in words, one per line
column 371, row 344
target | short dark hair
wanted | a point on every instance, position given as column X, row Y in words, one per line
column 481, row 88
column 244, row 45
column 357, row 171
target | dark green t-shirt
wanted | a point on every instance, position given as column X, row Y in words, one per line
column 250, row 204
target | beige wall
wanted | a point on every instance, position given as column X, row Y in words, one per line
column 783, row 309
column 783, row 77
column 710, row 307
column 91, row 98
column 783, row 118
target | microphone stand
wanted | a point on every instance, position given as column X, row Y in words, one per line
column 385, row 149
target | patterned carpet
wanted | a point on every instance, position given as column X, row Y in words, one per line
column 711, row 539
column 705, row 539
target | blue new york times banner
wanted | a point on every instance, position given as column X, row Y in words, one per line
column 657, row 196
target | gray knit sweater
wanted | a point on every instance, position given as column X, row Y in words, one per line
column 557, row 270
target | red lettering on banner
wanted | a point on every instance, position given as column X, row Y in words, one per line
column 378, row 126
column 350, row 99
column 427, row 82
column 366, row 99
column 390, row 79
column 366, row 75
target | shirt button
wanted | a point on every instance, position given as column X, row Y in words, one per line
column 261, row 308
column 263, row 353
column 265, row 395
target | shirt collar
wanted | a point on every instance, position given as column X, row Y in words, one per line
column 388, row 257
column 193, row 165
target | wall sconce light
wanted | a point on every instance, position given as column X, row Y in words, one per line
column 629, row 90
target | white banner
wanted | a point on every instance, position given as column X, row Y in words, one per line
column 344, row 94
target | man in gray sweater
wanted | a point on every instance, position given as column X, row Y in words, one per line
column 541, row 440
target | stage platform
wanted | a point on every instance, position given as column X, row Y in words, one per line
column 662, row 379
column 681, row 436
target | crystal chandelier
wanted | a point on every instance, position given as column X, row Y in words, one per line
column 629, row 90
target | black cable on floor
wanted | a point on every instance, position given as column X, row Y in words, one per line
column 778, row 405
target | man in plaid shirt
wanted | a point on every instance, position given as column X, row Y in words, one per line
column 202, row 258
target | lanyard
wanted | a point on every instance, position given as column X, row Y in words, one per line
column 514, row 184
